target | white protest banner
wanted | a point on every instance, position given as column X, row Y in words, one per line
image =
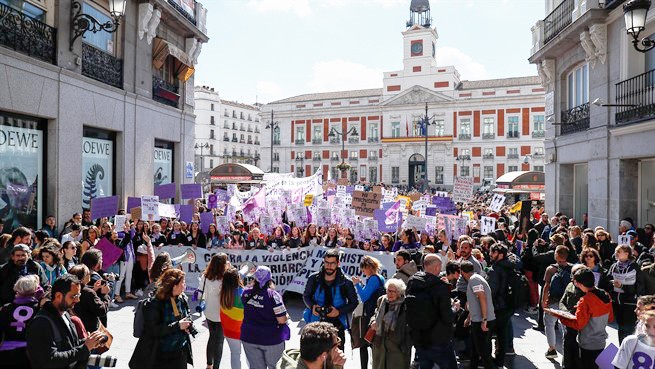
column 150, row 208
column 412, row 221
column 119, row 222
column 497, row 202
column 167, row 211
column 488, row 225
column 463, row 189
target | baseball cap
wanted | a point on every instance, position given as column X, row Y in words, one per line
column 262, row 275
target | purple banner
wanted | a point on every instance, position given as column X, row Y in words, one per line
column 104, row 207
column 206, row 219
column 165, row 191
column 380, row 216
column 133, row 202
column 186, row 213
column 604, row 360
column 222, row 195
column 191, row 191
column 110, row 252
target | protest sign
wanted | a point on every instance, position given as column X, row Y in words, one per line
column 359, row 188
column 166, row 191
column 488, row 225
column 420, row 205
column 223, row 224
column 309, row 199
column 412, row 221
column 168, row 211
column 104, row 207
column 191, row 191
column 133, row 202
column 624, row 239
column 206, row 218
column 150, row 208
column 365, row 203
column 119, row 222
column 415, row 196
column 463, row 189
column 110, row 252
column 186, row 213
column 212, row 201
column 497, row 202
column 431, row 210
column 135, row 214
column 460, row 227
column 377, row 189
column 441, row 194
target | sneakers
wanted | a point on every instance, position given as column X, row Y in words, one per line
column 118, row 299
column 532, row 310
column 551, row 354
column 130, row 296
column 113, row 305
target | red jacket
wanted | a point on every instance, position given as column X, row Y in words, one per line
column 593, row 313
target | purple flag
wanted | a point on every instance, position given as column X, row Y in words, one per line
column 222, row 195
column 206, row 219
column 133, row 202
column 104, row 207
column 186, row 213
column 212, row 201
column 110, row 252
column 165, row 191
column 191, row 191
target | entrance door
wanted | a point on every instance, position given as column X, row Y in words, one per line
column 416, row 174
column 580, row 191
column 647, row 192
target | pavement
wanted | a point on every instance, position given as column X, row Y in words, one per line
column 530, row 345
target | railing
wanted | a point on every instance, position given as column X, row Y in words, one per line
column 300, row 158
column 335, row 140
column 575, row 120
column 538, row 154
column 557, row 20
column 226, row 139
column 27, row 35
column 513, row 134
column 638, row 91
column 256, row 142
column 487, row 136
column 235, row 140
column 249, row 142
column 276, row 142
column 102, row 66
column 276, row 158
column 181, row 10
column 353, row 139
column 226, row 126
column 242, row 141
column 373, row 158
column 538, row 134
column 249, row 129
column 464, row 157
column 464, row 136
column 242, row 129
column 316, row 158
column 373, row 139
column 300, row 142
column 352, row 158
column 512, row 156
column 488, row 156
column 317, row 141
column 226, row 114
column 334, row 158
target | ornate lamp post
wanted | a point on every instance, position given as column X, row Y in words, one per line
column 343, row 166
column 274, row 127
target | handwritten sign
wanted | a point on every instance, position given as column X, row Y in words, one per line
column 412, row 221
column 488, row 225
column 309, row 199
column 463, row 189
column 365, row 203
column 150, row 208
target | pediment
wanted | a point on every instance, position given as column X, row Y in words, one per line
column 417, row 95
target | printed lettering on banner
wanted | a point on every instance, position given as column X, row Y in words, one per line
column 463, row 189
column 488, row 225
column 119, row 222
column 497, row 202
column 365, row 203
column 150, row 208
column 412, row 221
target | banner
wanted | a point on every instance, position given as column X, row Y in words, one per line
column 463, row 189
column 163, row 166
column 97, row 169
column 365, row 203
column 21, row 177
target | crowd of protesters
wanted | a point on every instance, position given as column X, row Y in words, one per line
column 451, row 300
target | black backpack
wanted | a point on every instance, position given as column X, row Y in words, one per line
column 559, row 281
column 420, row 308
column 517, row 289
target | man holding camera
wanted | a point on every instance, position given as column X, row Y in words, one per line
column 330, row 296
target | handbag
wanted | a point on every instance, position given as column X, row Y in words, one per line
column 110, row 338
column 357, row 327
column 370, row 334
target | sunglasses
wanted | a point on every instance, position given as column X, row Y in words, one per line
column 589, row 257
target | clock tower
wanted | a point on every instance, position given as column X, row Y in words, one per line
column 420, row 39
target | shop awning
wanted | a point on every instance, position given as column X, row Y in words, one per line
column 183, row 68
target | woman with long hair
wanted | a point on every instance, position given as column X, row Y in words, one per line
column 210, row 282
column 214, row 238
column 165, row 340
column 311, row 236
column 232, row 314
column 264, row 329
column 196, row 237
column 369, row 295
column 591, row 259
column 51, row 262
column 276, row 240
column 69, row 254
column 236, row 241
column 161, row 263
column 332, row 238
column 90, row 239
column 605, row 247
column 177, row 236
column 295, row 238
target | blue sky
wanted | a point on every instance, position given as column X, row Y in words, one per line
column 272, row 49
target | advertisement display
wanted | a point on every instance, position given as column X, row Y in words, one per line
column 163, row 166
column 97, row 169
column 21, row 177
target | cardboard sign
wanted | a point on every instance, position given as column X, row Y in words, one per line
column 119, row 221
column 135, row 214
column 488, row 225
column 463, row 189
column 497, row 202
column 365, row 203
column 309, row 199
column 104, row 207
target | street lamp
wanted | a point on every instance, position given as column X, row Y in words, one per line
column 202, row 147
column 334, row 133
column 634, row 13
column 82, row 23
column 425, row 122
column 274, row 127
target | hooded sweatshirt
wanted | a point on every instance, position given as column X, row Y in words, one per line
column 435, row 298
column 592, row 315
column 291, row 360
column 406, row 271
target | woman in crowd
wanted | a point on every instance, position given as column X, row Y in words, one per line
column 369, row 295
column 161, row 263
column 425, row 239
column 105, row 227
column 255, row 240
column 392, row 345
column 349, row 242
column 311, row 236
column 91, row 309
column 69, row 254
column 214, row 238
column 165, row 340
column 407, row 241
column 40, row 238
column 126, row 268
column 591, row 259
column 294, row 240
column 264, row 328
column 331, row 239
column 386, row 242
column 195, row 237
column 157, row 238
column 589, row 240
column 236, row 241
column 575, row 238
column 91, row 238
column 605, row 247
column 13, row 344
column 276, row 240
column 232, row 314
column 211, row 282
column 627, row 280
column 177, row 236
column 51, row 261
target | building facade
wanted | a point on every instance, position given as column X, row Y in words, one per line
column 599, row 159
column 226, row 131
column 85, row 115
column 480, row 129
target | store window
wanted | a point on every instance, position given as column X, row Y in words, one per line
column 101, row 40
column 97, row 164
column 163, row 162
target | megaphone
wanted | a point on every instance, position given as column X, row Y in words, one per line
column 188, row 257
column 246, row 271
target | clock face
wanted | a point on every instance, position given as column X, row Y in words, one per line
column 417, row 48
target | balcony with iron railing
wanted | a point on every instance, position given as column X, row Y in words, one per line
column 300, row 158
column 249, row 142
column 613, row 4
column 256, row 142
column 538, row 154
column 373, row 139
column 464, row 136
column 372, row 158
column 463, row 157
column 234, row 139
column 353, row 140
column 640, row 92
column 226, row 126
column 353, row 158
column 276, row 142
column 300, row 142
column 164, row 92
column 558, row 19
column 104, row 67
column 488, row 156
column 335, row 140
column 538, row 134
column 512, row 156
column 334, row 158
column 191, row 17
column 27, row 35
column 242, row 141
column 317, row 141
column 276, row 158
column 226, row 139
column 256, row 130
column 513, row 134
column 316, row 158
column 488, row 136
column 575, row 120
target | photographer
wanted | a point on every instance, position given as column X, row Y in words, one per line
column 91, row 308
column 165, row 340
column 101, row 285
column 329, row 296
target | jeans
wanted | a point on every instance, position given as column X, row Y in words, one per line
column 503, row 317
column 571, row 350
column 443, row 356
column 214, row 344
column 125, row 275
column 549, row 322
column 482, row 345
column 263, row 356
column 235, row 352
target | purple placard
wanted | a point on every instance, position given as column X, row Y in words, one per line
column 604, row 360
column 110, row 252
column 133, row 202
column 186, row 213
column 431, row 211
column 212, row 201
column 222, row 195
column 191, row 191
column 165, row 191
column 380, row 216
column 350, row 189
column 206, row 219
column 104, row 207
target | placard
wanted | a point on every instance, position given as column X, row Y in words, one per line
column 166, row 191
column 119, row 223
column 487, row 225
column 206, row 218
column 110, row 252
column 135, row 214
column 412, row 221
column 463, row 189
column 186, row 213
column 191, row 191
column 104, row 207
column 188, row 170
column 150, row 208
column 624, row 239
column 365, row 203
column 133, row 202
column 309, row 199
column 497, row 202
column 168, row 211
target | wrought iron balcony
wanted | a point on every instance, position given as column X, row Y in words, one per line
column 226, row 114
column 353, row 158
column 226, row 139
column 488, row 156
column 464, row 157
column 538, row 154
column 276, row 158
column 316, row 158
column 234, row 153
column 557, row 20
column 249, row 129
column 317, row 141
column 373, row 158
column 276, row 142
column 538, row 134
column 300, row 142
column 575, row 120
column 242, row 141
column 102, row 66
column 256, row 142
column 512, row 156
column 488, row 136
column 636, row 91
column 334, row 158
column 373, row 139
column 234, row 139
column 300, row 158
column 353, row 140
column 464, row 136
column 181, row 10
column 242, row 129
column 249, row 142
column 27, row 35
column 513, row 134
column 335, row 140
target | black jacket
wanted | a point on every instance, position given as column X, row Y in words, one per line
column 42, row 348
column 9, row 274
column 442, row 331
column 498, row 278
column 92, row 309
column 542, row 258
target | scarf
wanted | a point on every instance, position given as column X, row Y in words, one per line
column 387, row 315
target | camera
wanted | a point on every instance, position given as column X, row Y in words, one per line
column 323, row 311
column 192, row 330
column 102, row 361
column 104, row 338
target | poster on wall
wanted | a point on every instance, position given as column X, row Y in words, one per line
column 163, row 166
column 97, row 169
column 21, row 177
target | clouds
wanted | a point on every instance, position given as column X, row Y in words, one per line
column 468, row 68
column 342, row 75
column 302, row 8
column 269, row 91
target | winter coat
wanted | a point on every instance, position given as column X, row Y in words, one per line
column 629, row 291
column 340, row 287
column 592, row 315
column 406, row 271
column 498, row 279
column 92, row 309
column 649, row 279
column 543, row 258
column 393, row 350
column 9, row 274
column 442, row 331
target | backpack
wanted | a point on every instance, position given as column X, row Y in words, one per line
column 420, row 314
column 139, row 324
column 559, row 281
column 517, row 289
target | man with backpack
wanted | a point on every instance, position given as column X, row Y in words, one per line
column 556, row 278
column 430, row 316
